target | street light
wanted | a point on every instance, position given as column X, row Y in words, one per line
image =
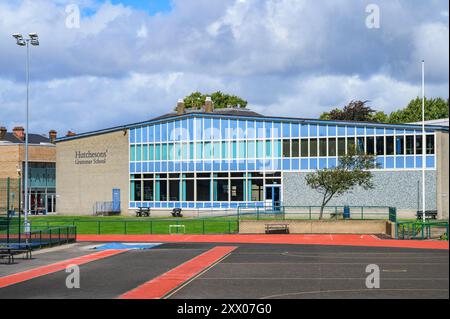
column 34, row 40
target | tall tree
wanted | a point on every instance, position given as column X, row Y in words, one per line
column 435, row 108
column 196, row 100
column 353, row 170
column 354, row 111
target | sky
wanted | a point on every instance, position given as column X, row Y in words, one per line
column 107, row 63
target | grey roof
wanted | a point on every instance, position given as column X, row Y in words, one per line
column 441, row 122
column 35, row 139
column 225, row 111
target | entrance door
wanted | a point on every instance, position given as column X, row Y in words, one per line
column 273, row 197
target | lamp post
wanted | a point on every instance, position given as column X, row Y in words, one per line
column 424, row 143
column 33, row 40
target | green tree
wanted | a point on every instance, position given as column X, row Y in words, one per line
column 196, row 100
column 353, row 170
column 435, row 108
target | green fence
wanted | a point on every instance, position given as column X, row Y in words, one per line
column 162, row 226
column 10, row 199
column 313, row 212
column 421, row 230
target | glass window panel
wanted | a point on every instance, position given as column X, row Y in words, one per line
column 208, row 150
column 257, row 190
column 174, row 190
column 295, row 148
column 139, row 153
column 277, row 148
column 162, row 190
column 184, row 151
column 237, row 190
column 221, row 189
column 189, row 188
column 399, row 145
column 323, row 147
column 331, row 147
column 225, row 152
column 304, row 147
column 177, row 151
column 132, row 153
column 242, row 150
column 259, row 149
column 216, row 150
column 351, row 146
column 418, row 144
column 286, row 148
column 430, row 144
column 360, row 145
column 251, row 149
column 380, row 145
column 313, row 147
column 148, row 190
column 199, row 151
column 145, row 153
column 409, row 144
column 137, row 191
column 203, row 190
column 389, row 145
column 152, row 152
column 158, row 152
column 234, row 149
column 171, row 151
column 268, row 148
column 191, row 150
column 370, row 145
column 341, row 146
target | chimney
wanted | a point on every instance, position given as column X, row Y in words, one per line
column 209, row 108
column 180, row 107
column 70, row 133
column 52, row 136
column 3, row 131
column 19, row 132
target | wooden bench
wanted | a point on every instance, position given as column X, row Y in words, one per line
column 277, row 228
column 143, row 211
column 10, row 250
column 429, row 214
column 337, row 215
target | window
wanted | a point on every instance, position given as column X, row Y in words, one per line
column 409, row 144
column 259, row 149
column 203, row 190
column 295, row 148
column 313, row 148
column 164, row 152
column 139, row 153
column 257, row 190
column 242, row 149
column 171, row 152
column 380, row 145
column 234, row 149
column 221, row 190
column 237, row 190
column 199, row 151
column 332, row 147
column 389, row 145
column 251, row 149
column 286, row 148
column 174, row 190
column 277, row 148
column 132, row 153
column 225, row 152
column 158, row 152
column 189, row 188
column 137, row 191
column 216, row 150
column 351, row 147
column 418, row 144
column 208, row 150
column 341, row 146
column 323, row 147
column 399, row 145
column 370, row 145
column 268, row 148
column 148, row 190
column 304, row 149
column 360, row 146
column 430, row 144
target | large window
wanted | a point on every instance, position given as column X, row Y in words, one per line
column 295, row 148
column 237, row 190
column 380, row 145
column 313, row 147
column 370, row 145
column 399, row 145
column 430, row 144
column 409, row 145
column 203, row 190
column 286, row 148
column 304, row 148
column 323, row 147
column 341, row 146
column 332, row 147
column 418, row 144
column 389, row 145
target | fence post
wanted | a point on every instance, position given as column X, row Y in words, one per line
column 50, row 236
column 362, row 212
column 229, row 227
column 203, row 227
column 125, row 227
column 98, row 227
column 151, row 227
column 40, row 238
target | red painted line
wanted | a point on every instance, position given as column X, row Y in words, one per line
column 297, row 239
column 52, row 268
column 162, row 285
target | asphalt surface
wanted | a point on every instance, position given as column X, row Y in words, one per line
column 254, row 271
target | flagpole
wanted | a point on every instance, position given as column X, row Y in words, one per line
column 424, row 142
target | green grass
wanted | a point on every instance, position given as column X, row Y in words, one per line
column 144, row 225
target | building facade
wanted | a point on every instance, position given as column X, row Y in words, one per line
column 41, row 169
column 229, row 158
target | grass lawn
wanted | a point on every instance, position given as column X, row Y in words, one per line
column 143, row 225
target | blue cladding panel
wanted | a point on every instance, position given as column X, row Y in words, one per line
column 295, row 130
column 304, row 130
column 260, row 129
column 132, row 135
column 430, row 161
column 409, row 162
column 313, row 163
column 322, row 163
column 360, row 131
column 389, row 162
column 351, row 130
column 322, row 130
column 286, row 164
column 380, row 162
column 295, row 164
column 276, row 129
column 331, row 162
column 418, row 161
column 332, row 130
column 370, row 131
column 341, row 130
column 286, row 129
column 400, row 162
column 313, row 130
column 379, row 131
column 304, row 164
column 251, row 129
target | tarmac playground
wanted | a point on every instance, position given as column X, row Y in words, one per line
column 235, row 267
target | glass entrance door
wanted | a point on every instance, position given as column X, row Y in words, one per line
column 273, row 197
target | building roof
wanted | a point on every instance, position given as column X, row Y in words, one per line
column 247, row 114
column 440, row 122
column 33, row 139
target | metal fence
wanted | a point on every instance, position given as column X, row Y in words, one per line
column 421, row 230
column 10, row 198
column 313, row 212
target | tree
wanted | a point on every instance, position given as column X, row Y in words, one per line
column 435, row 108
column 352, row 171
column 354, row 111
column 196, row 100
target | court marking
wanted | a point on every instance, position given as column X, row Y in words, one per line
column 160, row 286
column 55, row 267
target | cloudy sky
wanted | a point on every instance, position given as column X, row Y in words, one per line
column 123, row 61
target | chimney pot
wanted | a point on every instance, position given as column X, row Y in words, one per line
column 52, row 136
column 180, row 107
column 209, row 108
column 19, row 132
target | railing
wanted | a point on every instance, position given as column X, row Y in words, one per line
column 420, row 230
column 313, row 212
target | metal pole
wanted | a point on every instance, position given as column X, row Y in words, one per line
column 424, row 142
column 26, row 140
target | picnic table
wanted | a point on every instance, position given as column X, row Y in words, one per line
column 10, row 250
column 143, row 211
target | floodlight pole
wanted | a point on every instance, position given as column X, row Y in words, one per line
column 424, row 142
column 25, row 221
